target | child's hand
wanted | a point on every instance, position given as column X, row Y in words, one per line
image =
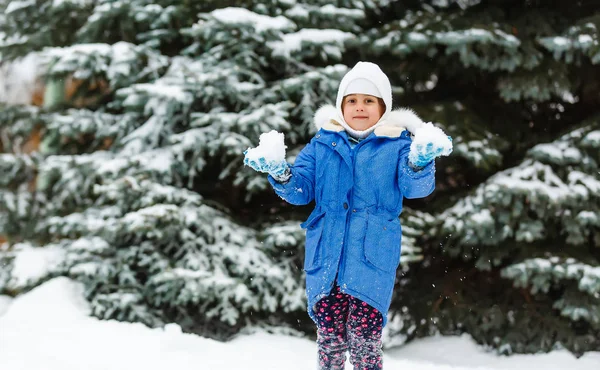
column 423, row 154
column 273, row 168
column 269, row 156
column 429, row 143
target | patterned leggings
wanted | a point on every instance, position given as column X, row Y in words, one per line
column 346, row 323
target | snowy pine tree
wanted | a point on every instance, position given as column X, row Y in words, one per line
column 124, row 171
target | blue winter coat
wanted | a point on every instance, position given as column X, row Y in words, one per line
column 353, row 234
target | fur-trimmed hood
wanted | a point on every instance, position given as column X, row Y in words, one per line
column 372, row 73
column 392, row 125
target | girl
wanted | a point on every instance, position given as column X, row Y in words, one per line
column 357, row 169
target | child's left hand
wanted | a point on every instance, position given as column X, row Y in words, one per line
column 273, row 168
column 429, row 143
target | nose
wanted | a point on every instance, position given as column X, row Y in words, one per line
column 360, row 107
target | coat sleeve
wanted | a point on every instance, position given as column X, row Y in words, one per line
column 300, row 189
column 415, row 184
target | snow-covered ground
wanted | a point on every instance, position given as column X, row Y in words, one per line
column 49, row 329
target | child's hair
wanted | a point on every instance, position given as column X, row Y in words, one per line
column 379, row 101
column 381, row 105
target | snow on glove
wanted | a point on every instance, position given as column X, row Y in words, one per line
column 269, row 156
column 429, row 143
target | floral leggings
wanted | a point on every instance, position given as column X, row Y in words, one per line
column 346, row 323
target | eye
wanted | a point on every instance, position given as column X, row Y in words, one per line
column 351, row 101
column 369, row 100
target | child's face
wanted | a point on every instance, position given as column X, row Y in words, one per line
column 361, row 111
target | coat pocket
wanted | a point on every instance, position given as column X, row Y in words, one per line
column 312, row 250
column 382, row 243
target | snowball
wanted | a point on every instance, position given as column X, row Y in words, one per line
column 270, row 147
column 428, row 133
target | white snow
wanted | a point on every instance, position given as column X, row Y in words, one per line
column 417, row 38
column 462, row 353
column 585, row 40
column 18, row 5
column 5, row 301
column 18, row 80
column 559, row 152
column 72, row 51
column 559, row 40
column 293, row 41
column 483, row 217
column 163, row 91
column 476, row 35
column 32, row 264
column 49, row 328
column 59, row 3
column 592, row 138
column 334, row 11
column 271, row 147
column 260, row 22
column 297, row 11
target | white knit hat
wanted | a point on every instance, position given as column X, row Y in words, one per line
column 362, row 86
